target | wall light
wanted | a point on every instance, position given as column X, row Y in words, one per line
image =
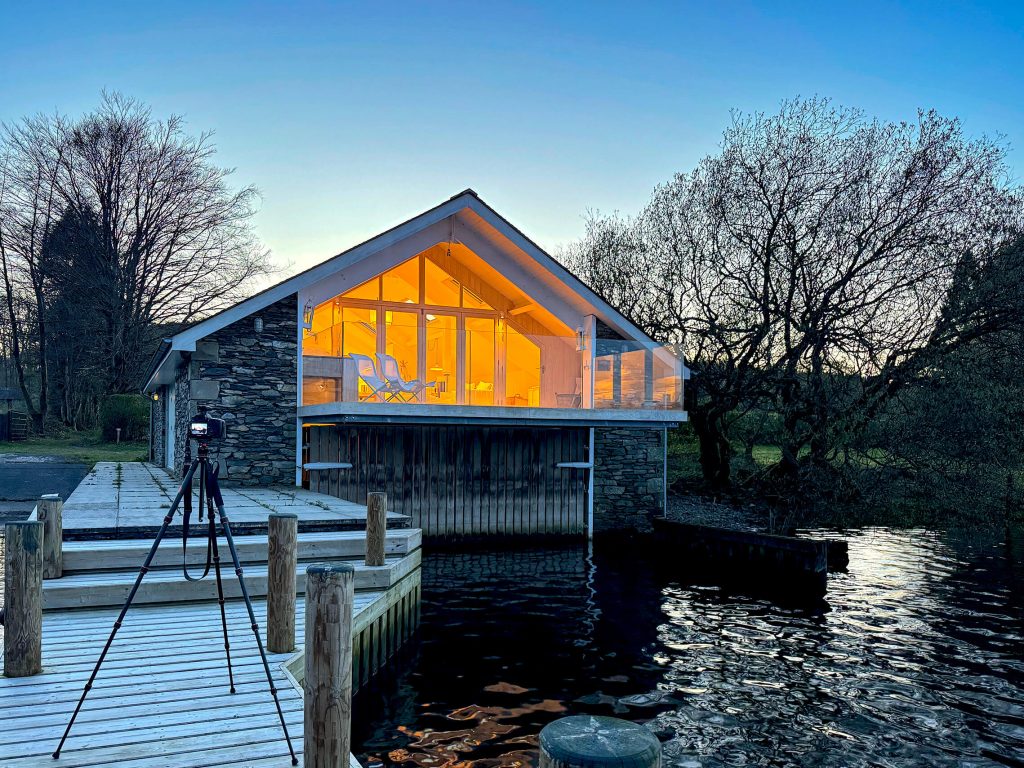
column 307, row 316
column 581, row 340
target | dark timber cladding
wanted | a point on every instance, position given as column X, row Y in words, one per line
column 456, row 481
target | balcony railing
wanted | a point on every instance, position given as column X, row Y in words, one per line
column 549, row 372
column 636, row 375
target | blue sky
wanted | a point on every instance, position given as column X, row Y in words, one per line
column 351, row 117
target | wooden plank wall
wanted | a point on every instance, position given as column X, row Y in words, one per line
column 459, row 481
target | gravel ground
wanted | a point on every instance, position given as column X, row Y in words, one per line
column 702, row 511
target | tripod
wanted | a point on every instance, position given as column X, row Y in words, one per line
column 209, row 485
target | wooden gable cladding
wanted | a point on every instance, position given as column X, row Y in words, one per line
column 457, row 481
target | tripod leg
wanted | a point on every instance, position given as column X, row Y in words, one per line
column 214, row 490
column 185, row 487
column 220, row 595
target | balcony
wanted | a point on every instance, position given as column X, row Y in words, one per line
column 441, row 335
column 534, row 378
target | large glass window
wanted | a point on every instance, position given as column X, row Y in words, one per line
column 401, row 341
column 439, row 288
column 441, row 358
column 522, row 370
column 480, row 359
column 401, row 285
column 368, row 291
column 457, row 332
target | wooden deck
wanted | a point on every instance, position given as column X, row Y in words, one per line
column 161, row 698
column 130, row 499
column 162, row 695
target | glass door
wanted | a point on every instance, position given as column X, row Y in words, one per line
column 441, row 363
column 401, row 341
column 480, row 360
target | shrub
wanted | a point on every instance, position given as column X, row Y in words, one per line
column 130, row 413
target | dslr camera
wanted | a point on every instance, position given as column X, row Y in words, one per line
column 204, row 427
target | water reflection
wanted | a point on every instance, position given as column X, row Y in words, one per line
column 918, row 659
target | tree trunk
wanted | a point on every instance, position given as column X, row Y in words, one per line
column 715, row 449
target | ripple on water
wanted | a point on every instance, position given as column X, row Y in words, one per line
column 916, row 660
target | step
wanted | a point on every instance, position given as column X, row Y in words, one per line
column 129, row 554
column 99, row 589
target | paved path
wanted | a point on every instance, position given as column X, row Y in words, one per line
column 23, row 479
column 130, row 499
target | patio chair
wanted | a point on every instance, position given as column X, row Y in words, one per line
column 408, row 389
column 381, row 389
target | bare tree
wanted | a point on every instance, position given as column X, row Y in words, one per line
column 29, row 205
column 174, row 239
column 805, row 268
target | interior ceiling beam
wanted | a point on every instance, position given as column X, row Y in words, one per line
column 523, row 309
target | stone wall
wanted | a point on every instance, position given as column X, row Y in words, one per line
column 629, row 478
column 182, row 414
column 158, row 436
column 256, row 372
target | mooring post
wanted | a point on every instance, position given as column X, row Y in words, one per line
column 585, row 741
column 376, row 527
column 282, row 558
column 49, row 511
column 328, row 683
column 23, row 587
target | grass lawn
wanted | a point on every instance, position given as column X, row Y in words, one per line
column 84, row 447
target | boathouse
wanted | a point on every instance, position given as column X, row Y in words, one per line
column 450, row 362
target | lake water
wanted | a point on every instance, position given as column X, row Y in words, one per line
column 917, row 659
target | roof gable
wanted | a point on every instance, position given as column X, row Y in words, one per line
column 482, row 226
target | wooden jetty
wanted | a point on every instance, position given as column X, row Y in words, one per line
column 162, row 697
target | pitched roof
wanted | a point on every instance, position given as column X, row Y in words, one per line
column 186, row 339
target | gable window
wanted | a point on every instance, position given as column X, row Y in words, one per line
column 440, row 329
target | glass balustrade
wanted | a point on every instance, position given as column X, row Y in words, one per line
column 437, row 358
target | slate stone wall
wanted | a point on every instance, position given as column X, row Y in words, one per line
column 157, row 427
column 256, row 372
column 182, row 414
column 629, row 478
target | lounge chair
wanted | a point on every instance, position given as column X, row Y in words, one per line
column 410, row 390
column 380, row 389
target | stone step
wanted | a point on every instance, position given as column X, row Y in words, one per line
column 97, row 589
column 129, row 554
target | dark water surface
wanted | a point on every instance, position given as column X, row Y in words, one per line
column 918, row 659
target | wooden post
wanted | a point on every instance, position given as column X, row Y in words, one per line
column 376, row 527
column 328, row 684
column 23, row 587
column 585, row 741
column 282, row 559
column 49, row 512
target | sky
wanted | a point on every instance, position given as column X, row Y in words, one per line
column 351, row 117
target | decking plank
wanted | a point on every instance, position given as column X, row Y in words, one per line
column 169, row 711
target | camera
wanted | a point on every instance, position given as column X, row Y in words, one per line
column 205, row 427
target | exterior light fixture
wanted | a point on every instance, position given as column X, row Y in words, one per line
column 581, row 340
column 307, row 316
column 156, row 395
column 257, row 325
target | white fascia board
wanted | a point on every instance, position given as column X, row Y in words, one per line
column 186, row 340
